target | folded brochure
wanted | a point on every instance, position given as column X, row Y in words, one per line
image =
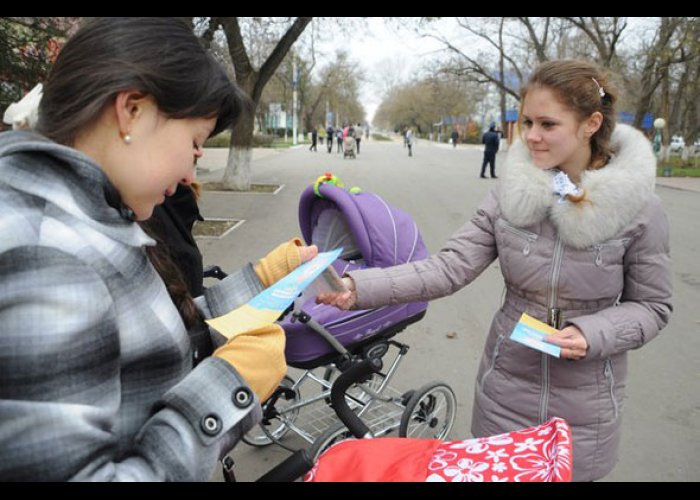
column 530, row 332
column 266, row 307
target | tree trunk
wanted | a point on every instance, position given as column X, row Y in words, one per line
column 237, row 175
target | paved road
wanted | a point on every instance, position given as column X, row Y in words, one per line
column 440, row 187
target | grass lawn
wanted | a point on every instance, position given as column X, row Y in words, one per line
column 691, row 168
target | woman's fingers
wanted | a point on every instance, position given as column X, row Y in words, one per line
column 308, row 253
column 341, row 300
column 572, row 342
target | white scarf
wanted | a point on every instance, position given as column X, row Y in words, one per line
column 614, row 193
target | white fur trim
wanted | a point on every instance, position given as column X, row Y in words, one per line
column 614, row 193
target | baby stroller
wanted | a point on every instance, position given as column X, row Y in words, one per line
column 349, row 146
column 325, row 342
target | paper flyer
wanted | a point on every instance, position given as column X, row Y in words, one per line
column 266, row 307
column 530, row 332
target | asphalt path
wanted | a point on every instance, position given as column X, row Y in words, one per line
column 440, row 187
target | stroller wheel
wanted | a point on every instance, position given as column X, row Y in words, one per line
column 430, row 413
column 265, row 434
column 328, row 438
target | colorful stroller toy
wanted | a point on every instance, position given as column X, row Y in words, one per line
column 324, row 341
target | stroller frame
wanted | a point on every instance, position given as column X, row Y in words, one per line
column 427, row 412
column 349, row 146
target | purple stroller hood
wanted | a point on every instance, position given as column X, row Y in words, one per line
column 384, row 235
column 372, row 234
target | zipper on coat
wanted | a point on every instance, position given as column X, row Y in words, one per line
column 599, row 249
column 610, row 377
column 530, row 237
column 499, row 341
column 554, row 318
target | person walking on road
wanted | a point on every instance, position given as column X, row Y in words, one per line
column 454, row 137
column 358, row 136
column 583, row 245
column 330, row 133
column 409, row 141
column 314, row 140
column 339, row 138
column 491, row 140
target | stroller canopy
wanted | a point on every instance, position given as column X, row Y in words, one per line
column 362, row 223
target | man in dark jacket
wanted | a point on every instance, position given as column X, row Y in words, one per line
column 492, row 140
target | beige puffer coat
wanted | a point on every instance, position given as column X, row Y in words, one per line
column 604, row 264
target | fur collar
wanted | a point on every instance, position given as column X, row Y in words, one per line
column 614, row 193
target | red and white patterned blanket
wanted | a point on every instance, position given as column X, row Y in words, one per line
column 541, row 454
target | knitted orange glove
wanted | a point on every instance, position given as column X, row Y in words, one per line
column 258, row 356
column 279, row 263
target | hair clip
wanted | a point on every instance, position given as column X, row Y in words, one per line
column 601, row 90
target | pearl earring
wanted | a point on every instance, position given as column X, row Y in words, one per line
column 127, row 139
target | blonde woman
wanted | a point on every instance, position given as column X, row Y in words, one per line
column 582, row 243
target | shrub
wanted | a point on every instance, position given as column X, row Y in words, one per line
column 222, row 140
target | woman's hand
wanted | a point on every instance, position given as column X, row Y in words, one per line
column 341, row 300
column 258, row 356
column 572, row 342
column 283, row 260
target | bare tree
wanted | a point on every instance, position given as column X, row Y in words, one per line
column 422, row 103
column 604, row 32
column 252, row 81
column 664, row 51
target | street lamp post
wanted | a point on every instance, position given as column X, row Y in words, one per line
column 659, row 125
column 295, row 77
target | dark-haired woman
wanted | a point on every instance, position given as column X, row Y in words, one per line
column 96, row 373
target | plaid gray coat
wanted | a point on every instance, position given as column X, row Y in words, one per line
column 96, row 377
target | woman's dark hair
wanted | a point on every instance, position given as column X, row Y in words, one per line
column 578, row 86
column 164, row 263
column 158, row 56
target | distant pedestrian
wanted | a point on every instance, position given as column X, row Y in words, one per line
column 339, row 138
column 455, row 137
column 491, row 139
column 409, row 141
column 314, row 140
column 358, row 136
column 330, row 132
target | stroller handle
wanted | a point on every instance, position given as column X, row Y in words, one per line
column 352, row 375
column 293, row 467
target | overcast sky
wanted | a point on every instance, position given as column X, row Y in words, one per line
column 379, row 46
